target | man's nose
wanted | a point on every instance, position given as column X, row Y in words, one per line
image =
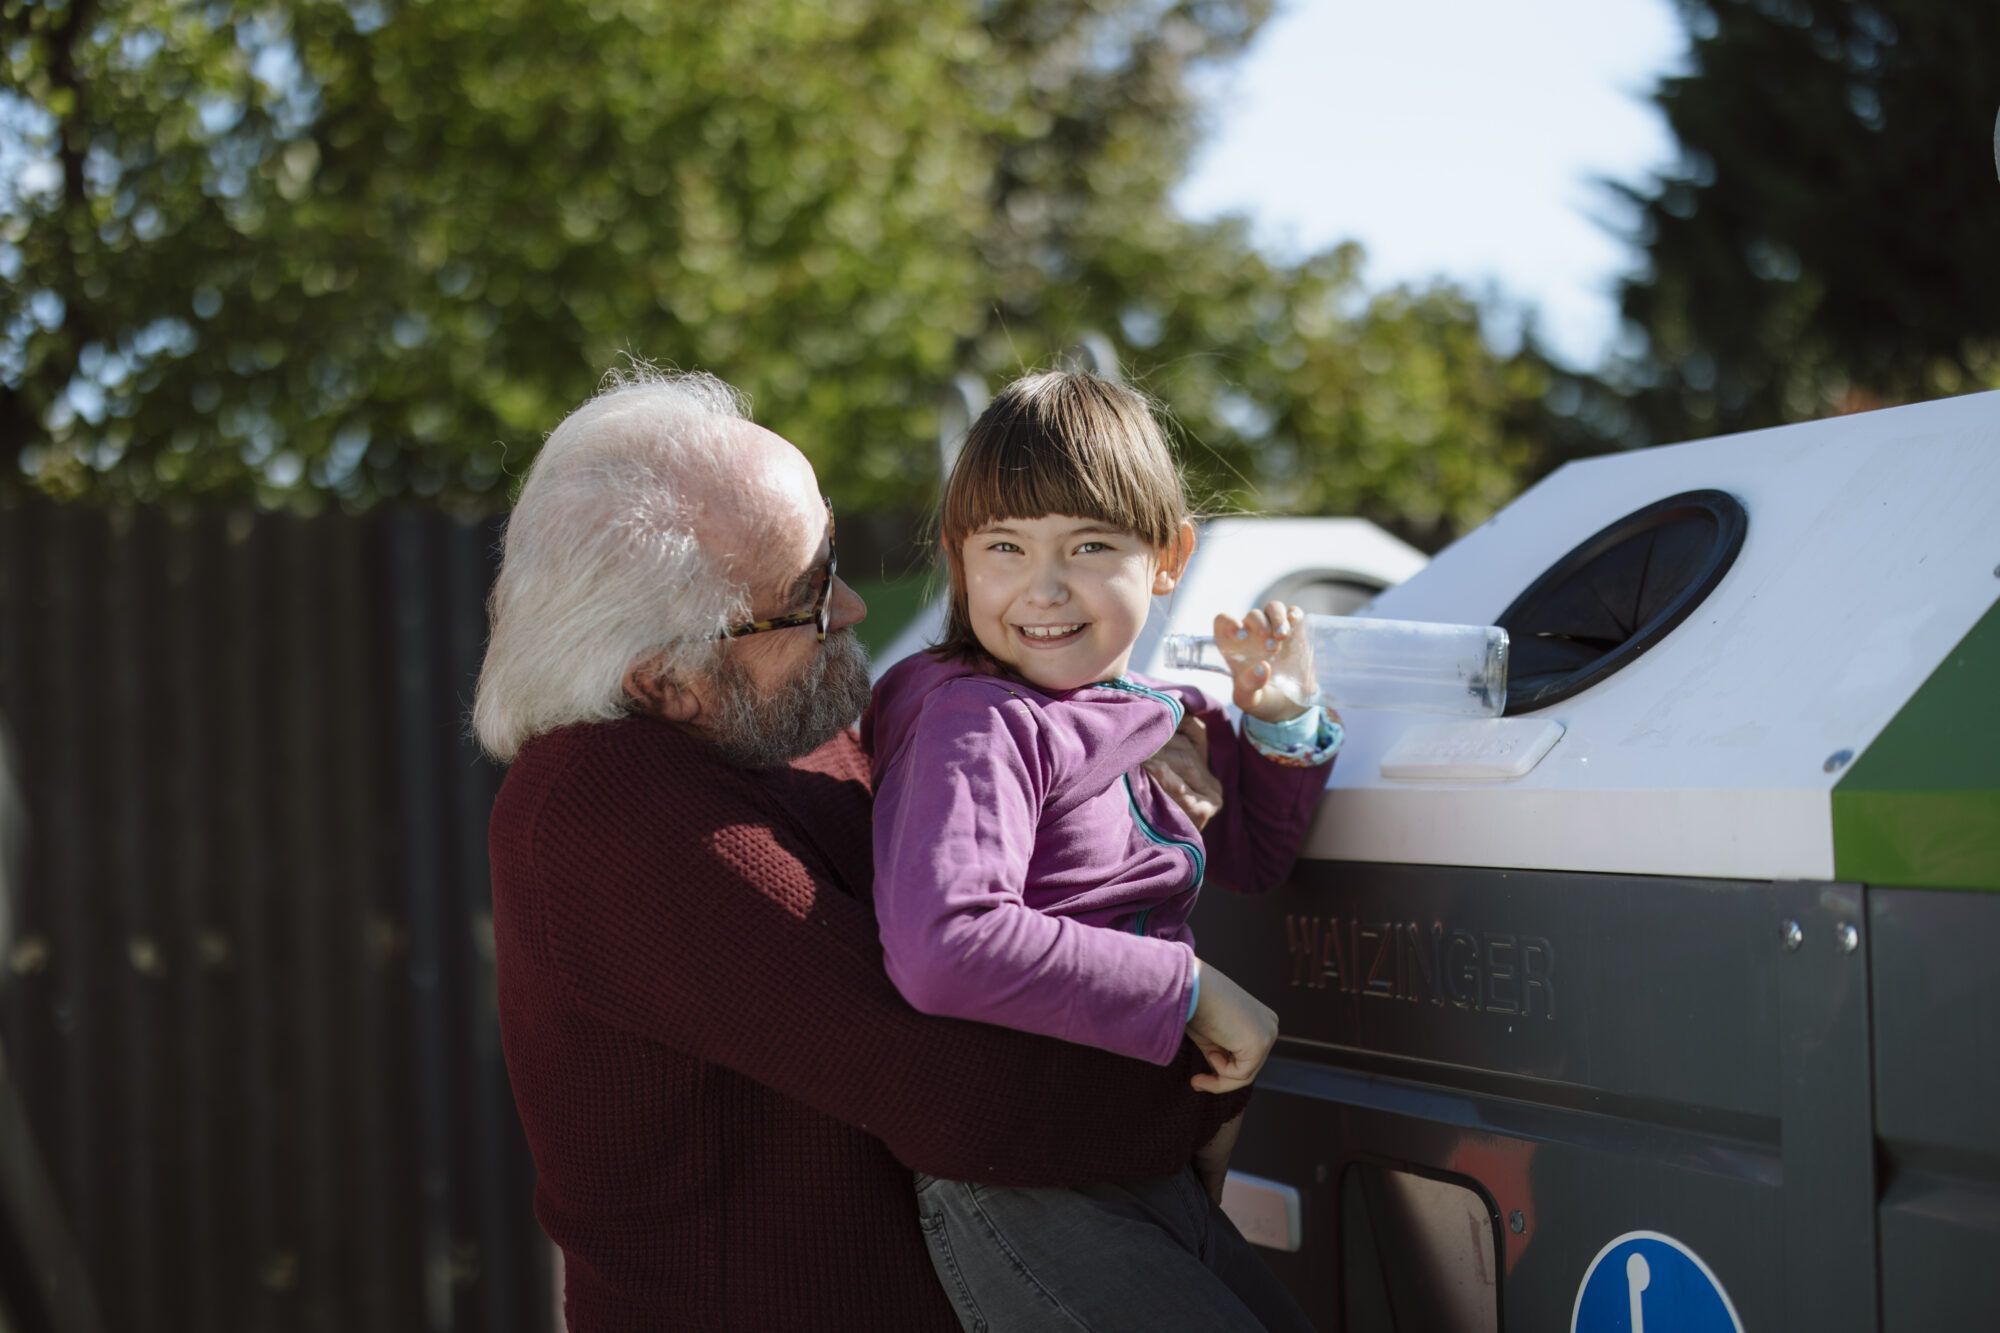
column 844, row 607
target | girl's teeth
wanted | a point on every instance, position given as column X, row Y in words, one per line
column 1048, row 632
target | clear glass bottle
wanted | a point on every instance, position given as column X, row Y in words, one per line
column 1346, row 661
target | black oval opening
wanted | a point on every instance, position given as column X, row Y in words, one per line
column 1324, row 592
column 1617, row 594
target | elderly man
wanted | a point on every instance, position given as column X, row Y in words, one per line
column 723, row 1093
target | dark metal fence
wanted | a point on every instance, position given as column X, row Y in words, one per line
column 246, row 980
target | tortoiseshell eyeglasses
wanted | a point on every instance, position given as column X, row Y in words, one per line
column 821, row 603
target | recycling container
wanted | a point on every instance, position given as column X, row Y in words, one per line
column 1671, row 999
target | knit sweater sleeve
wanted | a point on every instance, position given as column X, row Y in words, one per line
column 703, row 927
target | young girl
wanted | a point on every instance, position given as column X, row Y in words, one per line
column 1028, row 871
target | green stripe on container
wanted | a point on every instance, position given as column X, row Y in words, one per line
column 1921, row 808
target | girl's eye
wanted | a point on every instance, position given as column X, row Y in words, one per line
column 1091, row 548
column 1003, row 547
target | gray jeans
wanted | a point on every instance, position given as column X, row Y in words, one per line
column 1146, row 1255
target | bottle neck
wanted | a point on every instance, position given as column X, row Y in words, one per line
column 1194, row 652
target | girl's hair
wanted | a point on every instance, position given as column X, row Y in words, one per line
column 1058, row 442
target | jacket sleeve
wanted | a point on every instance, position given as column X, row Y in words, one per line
column 703, row 930
column 956, row 816
column 1267, row 806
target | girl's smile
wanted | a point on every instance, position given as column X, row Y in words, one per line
column 1061, row 599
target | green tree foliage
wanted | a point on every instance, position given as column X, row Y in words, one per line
column 1828, row 239
column 1328, row 399
column 1295, row 388
column 375, row 250
column 378, row 247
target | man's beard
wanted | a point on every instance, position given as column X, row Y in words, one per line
column 763, row 731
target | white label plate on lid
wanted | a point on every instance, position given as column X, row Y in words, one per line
column 1492, row 747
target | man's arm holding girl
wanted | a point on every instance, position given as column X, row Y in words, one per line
column 729, row 949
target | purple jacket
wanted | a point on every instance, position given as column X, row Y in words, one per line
column 1029, row 873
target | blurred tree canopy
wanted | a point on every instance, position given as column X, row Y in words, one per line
column 363, row 248
column 1830, row 238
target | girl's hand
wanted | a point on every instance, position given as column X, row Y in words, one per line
column 1265, row 643
column 1235, row 1031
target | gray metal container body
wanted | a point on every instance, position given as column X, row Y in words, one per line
column 1597, row 1055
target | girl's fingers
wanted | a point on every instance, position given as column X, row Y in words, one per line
column 1259, row 627
column 1222, row 1067
column 1263, row 627
column 1227, row 1073
column 1272, row 620
column 1283, row 620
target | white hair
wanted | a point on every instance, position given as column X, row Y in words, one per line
column 599, row 566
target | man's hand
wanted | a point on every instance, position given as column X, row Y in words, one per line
column 1211, row 1161
column 1181, row 768
column 1268, row 643
column 1234, row 1030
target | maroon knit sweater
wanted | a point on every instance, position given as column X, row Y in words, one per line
column 722, row 1091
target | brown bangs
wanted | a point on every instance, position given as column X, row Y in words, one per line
column 1060, row 442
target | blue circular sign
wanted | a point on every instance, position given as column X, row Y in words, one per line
column 1644, row 1282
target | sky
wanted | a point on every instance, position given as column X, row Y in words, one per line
column 1454, row 137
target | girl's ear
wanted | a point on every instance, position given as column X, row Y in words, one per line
column 1173, row 563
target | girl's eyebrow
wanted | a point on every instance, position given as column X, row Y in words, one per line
column 1105, row 529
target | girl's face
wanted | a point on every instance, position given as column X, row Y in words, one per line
column 1061, row 600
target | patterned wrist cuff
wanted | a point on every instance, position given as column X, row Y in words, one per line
column 1307, row 741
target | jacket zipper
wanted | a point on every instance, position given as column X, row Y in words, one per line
column 1194, row 852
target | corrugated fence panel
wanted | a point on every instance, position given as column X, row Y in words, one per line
column 193, row 570
column 246, row 986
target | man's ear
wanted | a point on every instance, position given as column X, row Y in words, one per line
column 1173, row 563
column 649, row 689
